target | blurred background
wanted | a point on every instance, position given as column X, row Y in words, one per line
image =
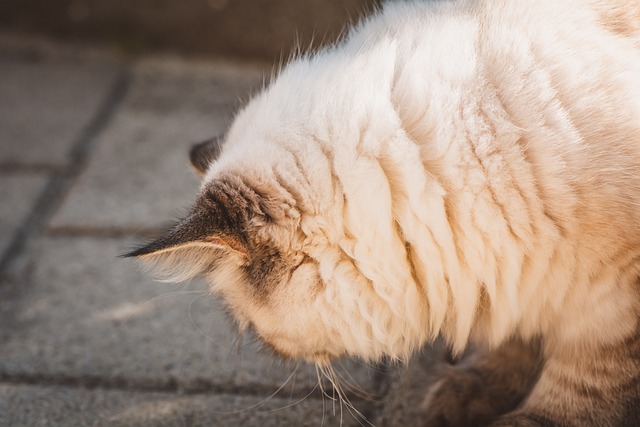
column 257, row 29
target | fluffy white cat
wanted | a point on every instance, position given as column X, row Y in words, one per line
column 469, row 169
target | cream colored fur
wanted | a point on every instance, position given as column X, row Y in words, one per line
column 470, row 168
column 466, row 168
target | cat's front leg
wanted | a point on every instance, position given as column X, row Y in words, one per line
column 483, row 386
column 594, row 387
column 523, row 420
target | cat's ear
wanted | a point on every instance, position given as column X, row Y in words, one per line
column 195, row 245
column 205, row 153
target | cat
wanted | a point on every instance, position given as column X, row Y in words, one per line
column 460, row 169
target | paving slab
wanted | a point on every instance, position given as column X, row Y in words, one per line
column 139, row 177
column 47, row 99
column 72, row 311
column 30, row 406
column 408, row 386
column 18, row 194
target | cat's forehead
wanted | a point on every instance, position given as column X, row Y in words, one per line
column 231, row 199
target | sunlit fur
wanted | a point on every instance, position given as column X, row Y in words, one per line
column 468, row 168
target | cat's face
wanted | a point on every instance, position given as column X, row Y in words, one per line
column 246, row 240
column 294, row 225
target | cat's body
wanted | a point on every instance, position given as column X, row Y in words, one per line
column 466, row 169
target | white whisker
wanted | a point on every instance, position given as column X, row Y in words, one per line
column 355, row 413
column 302, row 399
column 293, row 382
column 172, row 294
column 352, row 384
column 324, row 406
column 261, row 403
column 193, row 323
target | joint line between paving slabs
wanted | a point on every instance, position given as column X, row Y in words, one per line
column 60, row 183
column 171, row 386
column 34, row 226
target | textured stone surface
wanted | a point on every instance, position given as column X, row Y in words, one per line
column 87, row 338
column 139, row 177
column 408, row 386
column 47, row 100
column 73, row 310
column 27, row 406
column 18, row 194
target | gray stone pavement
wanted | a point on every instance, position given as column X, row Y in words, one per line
column 93, row 157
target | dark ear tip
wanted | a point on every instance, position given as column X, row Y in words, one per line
column 147, row 248
column 204, row 153
column 197, row 161
column 136, row 252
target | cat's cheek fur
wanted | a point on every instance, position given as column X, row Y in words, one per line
column 278, row 320
column 307, row 316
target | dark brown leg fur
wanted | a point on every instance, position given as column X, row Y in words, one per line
column 592, row 388
column 483, row 385
column 510, row 387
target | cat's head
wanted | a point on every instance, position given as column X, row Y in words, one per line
column 288, row 282
column 295, row 231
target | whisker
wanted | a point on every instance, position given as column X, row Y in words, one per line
column 193, row 323
column 171, row 294
column 324, row 406
column 355, row 413
column 318, row 374
column 237, row 342
column 293, row 382
column 353, row 385
column 294, row 403
column 327, row 373
column 333, row 394
column 259, row 404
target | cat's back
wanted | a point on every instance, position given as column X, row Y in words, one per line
column 552, row 86
column 540, row 96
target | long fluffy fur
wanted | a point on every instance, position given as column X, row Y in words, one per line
column 476, row 186
column 465, row 168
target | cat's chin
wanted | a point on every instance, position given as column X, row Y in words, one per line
column 285, row 349
column 321, row 358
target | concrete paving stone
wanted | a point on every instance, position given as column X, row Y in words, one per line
column 47, row 99
column 140, row 175
column 18, row 194
column 30, row 406
column 408, row 386
column 70, row 309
